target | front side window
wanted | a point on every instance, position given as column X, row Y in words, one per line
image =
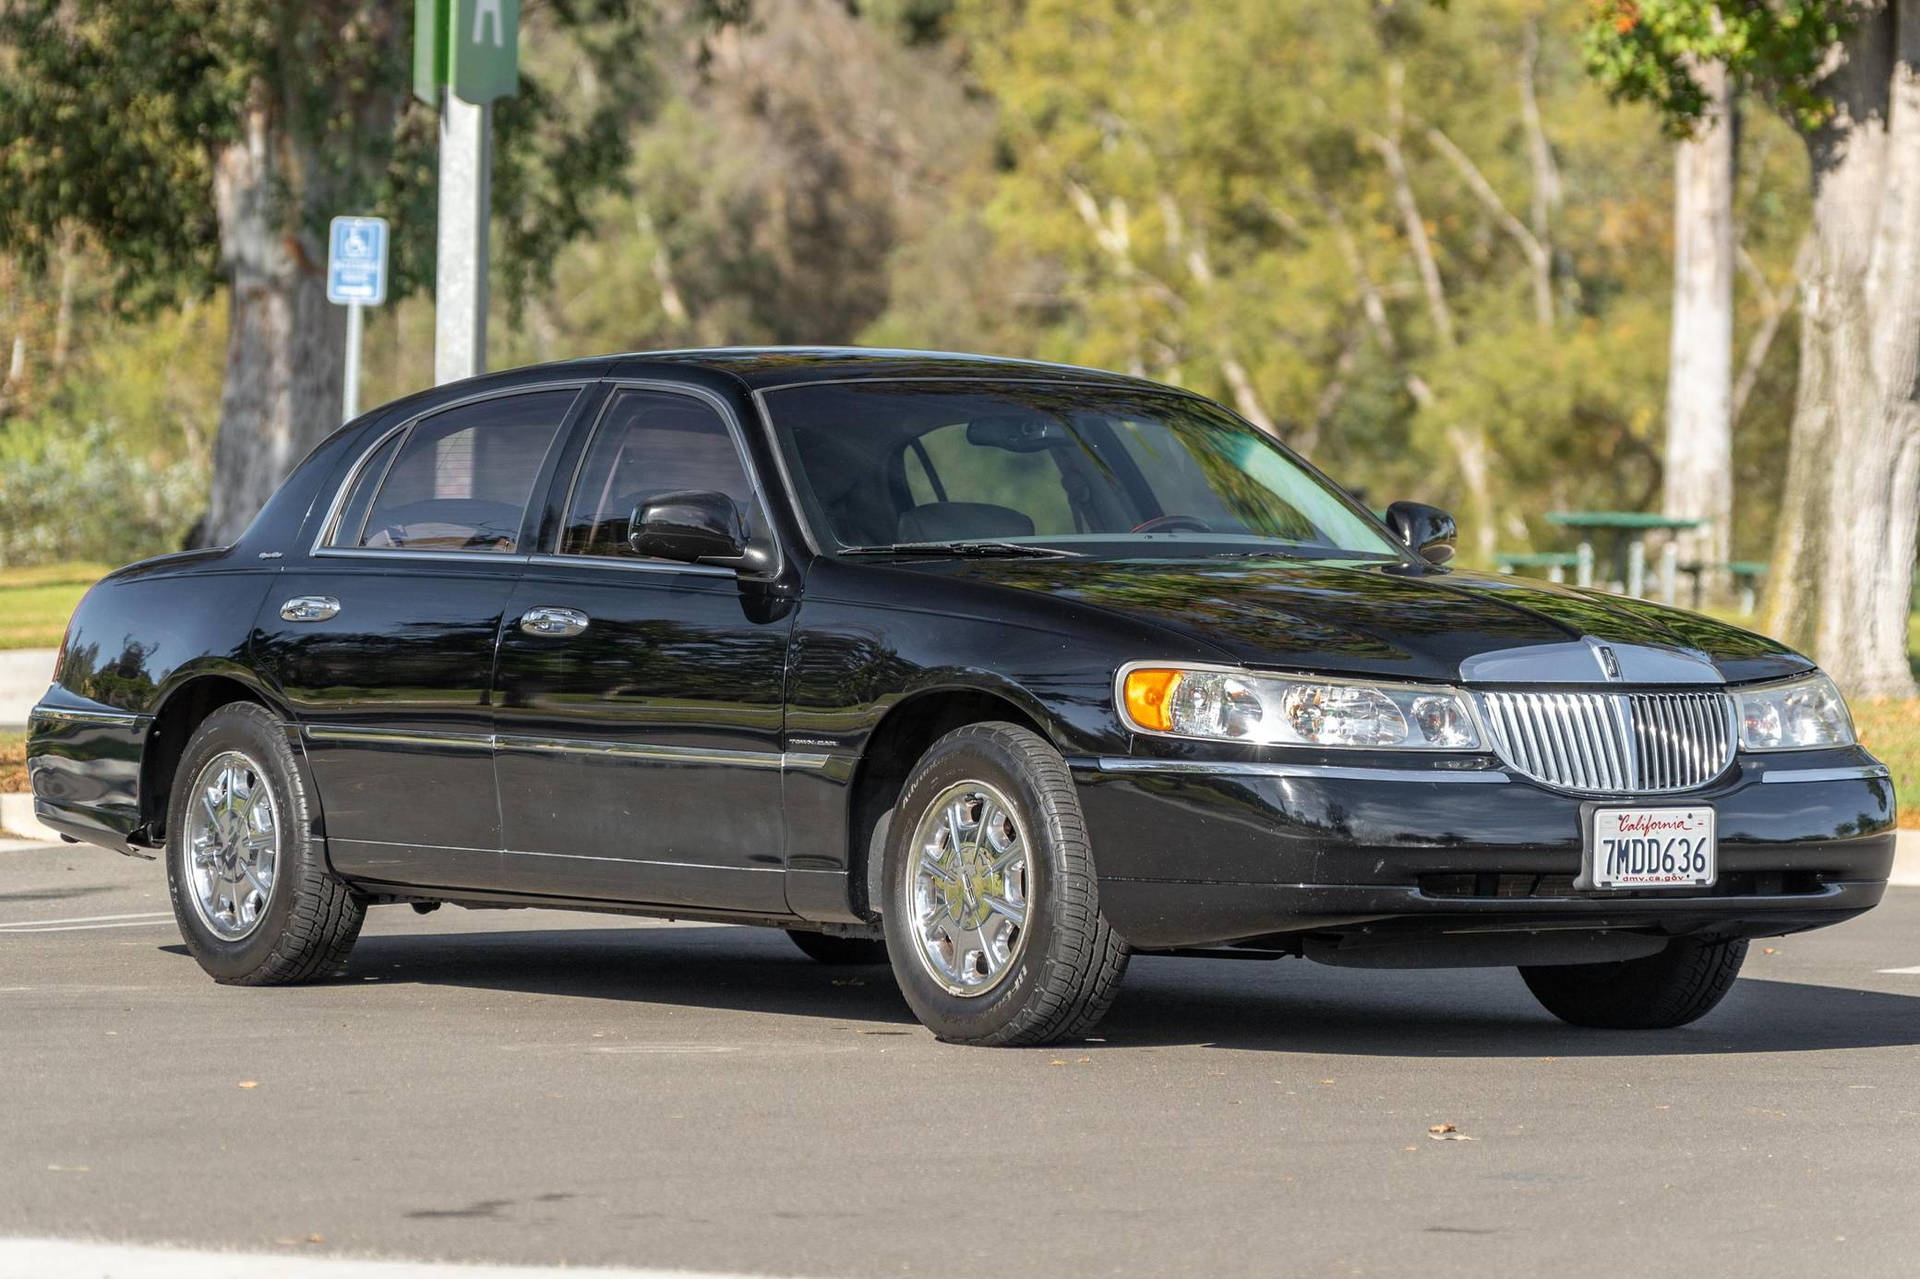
column 1092, row 468
column 648, row 444
column 459, row 480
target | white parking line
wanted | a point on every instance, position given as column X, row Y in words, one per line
column 85, row 919
column 1904, row 972
column 63, row 1259
column 81, row 928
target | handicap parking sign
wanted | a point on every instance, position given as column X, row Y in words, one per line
column 357, row 261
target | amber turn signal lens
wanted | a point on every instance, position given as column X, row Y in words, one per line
column 1149, row 696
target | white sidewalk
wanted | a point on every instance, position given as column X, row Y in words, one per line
column 63, row 1259
column 24, row 676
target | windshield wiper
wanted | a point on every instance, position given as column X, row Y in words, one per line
column 981, row 550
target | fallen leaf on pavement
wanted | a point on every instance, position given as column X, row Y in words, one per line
column 249, row 1083
column 1446, row 1132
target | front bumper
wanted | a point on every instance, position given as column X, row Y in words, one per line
column 1203, row 853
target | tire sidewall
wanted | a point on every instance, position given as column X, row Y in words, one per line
column 973, row 757
column 252, row 731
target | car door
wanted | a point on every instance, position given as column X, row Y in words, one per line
column 639, row 701
column 382, row 638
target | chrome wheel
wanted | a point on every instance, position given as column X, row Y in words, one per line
column 969, row 885
column 232, row 845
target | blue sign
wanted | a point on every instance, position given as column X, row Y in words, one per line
column 357, row 261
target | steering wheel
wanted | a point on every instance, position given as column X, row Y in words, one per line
column 1167, row 523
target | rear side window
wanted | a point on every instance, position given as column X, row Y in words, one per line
column 456, row 481
column 650, row 443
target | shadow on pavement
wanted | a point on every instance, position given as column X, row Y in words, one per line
column 1286, row 1006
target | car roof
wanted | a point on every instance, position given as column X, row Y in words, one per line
column 767, row 366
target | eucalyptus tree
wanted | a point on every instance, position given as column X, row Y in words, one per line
column 1847, row 73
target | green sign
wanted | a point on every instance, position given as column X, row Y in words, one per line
column 471, row 47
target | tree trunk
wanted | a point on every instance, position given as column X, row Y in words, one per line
column 1699, row 459
column 285, row 342
column 1843, row 567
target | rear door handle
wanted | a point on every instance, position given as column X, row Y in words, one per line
column 553, row 623
column 309, row 608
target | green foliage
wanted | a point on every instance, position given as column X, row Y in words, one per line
column 116, row 113
column 1645, row 51
column 77, row 496
column 1181, row 188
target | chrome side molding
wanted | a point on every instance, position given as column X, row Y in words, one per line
column 1843, row 774
column 1342, row 772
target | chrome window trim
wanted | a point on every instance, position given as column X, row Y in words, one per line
column 550, row 560
column 1846, row 773
column 1336, row 772
column 320, row 548
column 406, row 553
column 736, row 431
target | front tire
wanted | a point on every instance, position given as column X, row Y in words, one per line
column 992, row 909
column 1681, row 984
column 254, row 899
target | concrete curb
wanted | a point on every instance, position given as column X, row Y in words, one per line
column 1906, row 860
column 16, row 818
column 24, row 675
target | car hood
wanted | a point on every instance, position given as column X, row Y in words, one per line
column 1358, row 618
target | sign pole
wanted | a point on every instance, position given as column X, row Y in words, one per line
column 466, row 53
column 460, row 310
column 350, row 387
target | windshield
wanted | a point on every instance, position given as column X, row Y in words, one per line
column 1090, row 469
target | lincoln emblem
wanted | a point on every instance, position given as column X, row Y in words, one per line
column 1608, row 662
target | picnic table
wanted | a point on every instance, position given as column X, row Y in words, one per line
column 1632, row 528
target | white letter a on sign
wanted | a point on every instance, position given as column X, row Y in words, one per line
column 484, row 10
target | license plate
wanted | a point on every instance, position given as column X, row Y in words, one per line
column 1650, row 848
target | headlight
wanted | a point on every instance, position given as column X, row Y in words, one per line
column 1295, row 710
column 1794, row 715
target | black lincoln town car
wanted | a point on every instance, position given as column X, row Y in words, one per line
column 996, row 671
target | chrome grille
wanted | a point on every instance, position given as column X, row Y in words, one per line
column 1613, row 743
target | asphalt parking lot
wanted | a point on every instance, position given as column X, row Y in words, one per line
column 546, row 1088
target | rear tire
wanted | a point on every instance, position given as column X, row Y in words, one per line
column 1679, row 985
column 829, row 949
column 992, row 909
column 251, row 891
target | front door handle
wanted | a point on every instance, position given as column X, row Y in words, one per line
column 553, row 623
column 309, row 608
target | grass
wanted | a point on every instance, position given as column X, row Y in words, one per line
column 1891, row 730
column 13, row 762
column 35, row 603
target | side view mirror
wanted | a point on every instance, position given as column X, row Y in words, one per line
column 1428, row 531
column 689, row 526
